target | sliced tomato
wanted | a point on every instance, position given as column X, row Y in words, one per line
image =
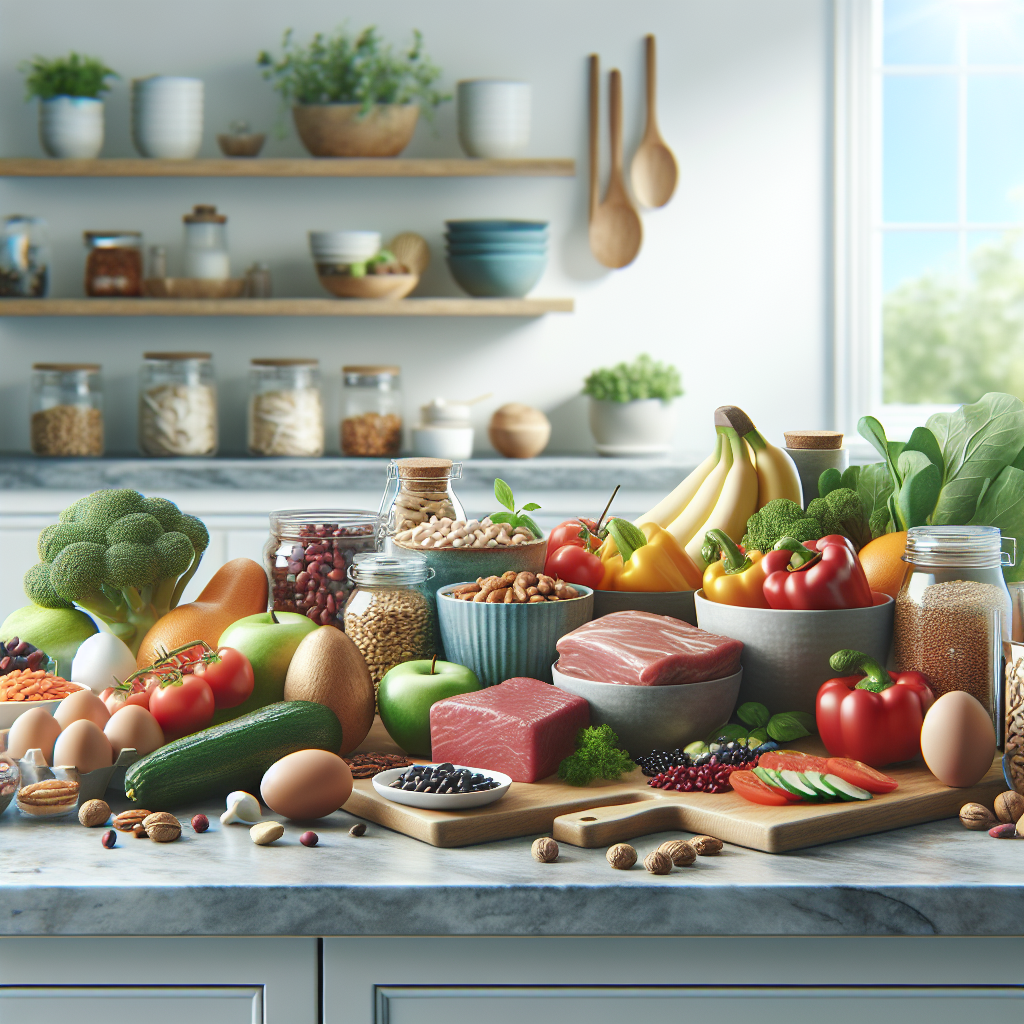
column 857, row 773
column 751, row 788
column 792, row 760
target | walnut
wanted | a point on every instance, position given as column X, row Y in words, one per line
column 545, row 850
column 621, row 856
column 680, row 852
column 162, row 827
column 1009, row 806
column 706, row 846
column 658, row 863
column 266, row 832
column 93, row 813
column 127, row 820
column 976, row 817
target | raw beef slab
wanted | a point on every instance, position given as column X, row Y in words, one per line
column 522, row 727
column 641, row 649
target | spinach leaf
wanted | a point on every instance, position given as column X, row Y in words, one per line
column 874, row 485
column 829, row 481
column 923, row 440
column 873, row 432
column 851, row 479
column 977, row 442
column 1002, row 505
column 922, row 482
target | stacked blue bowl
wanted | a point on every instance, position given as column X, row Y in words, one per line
column 497, row 258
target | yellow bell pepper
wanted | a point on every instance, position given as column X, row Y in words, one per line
column 735, row 578
column 658, row 565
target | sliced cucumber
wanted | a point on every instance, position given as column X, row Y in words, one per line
column 815, row 781
column 767, row 776
column 793, row 781
column 845, row 790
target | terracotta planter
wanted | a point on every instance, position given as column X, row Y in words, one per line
column 339, row 129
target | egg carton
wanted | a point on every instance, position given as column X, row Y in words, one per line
column 91, row 785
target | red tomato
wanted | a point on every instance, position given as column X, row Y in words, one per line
column 779, row 761
column 751, row 788
column 857, row 773
column 230, row 677
column 115, row 698
column 182, row 708
column 569, row 533
column 574, row 565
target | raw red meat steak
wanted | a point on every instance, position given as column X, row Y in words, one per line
column 522, row 727
column 641, row 649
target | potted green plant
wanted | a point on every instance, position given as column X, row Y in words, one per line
column 70, row 108
column 353, row 95
column 631, row 407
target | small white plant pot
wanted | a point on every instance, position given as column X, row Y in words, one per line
column 71, row 127
column 641, row 427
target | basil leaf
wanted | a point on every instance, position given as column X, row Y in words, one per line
column 503, row 495
column 758, row 735
column 730, row 731
column 504, row 517
column 529, row 524
column 628, row 538
column 787, row 726
column 754, row 714
column 531, row 507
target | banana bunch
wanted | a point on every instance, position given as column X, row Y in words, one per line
column 741, row 475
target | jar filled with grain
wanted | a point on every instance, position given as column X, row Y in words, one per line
column 388, row 615
column 371, row 423
column 67, row 409
column 177, row 404
column 113, row 267
column 286, row 415
column 417, row 491
column 953, row 612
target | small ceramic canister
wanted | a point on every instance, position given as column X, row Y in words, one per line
column 814, row 451
column 494, row 117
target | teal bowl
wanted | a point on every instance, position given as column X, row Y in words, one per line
column 496, row 238
column 496, row 225
column 503, row 276
column 501, row 641
column 496, row 248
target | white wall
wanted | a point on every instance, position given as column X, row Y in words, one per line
column 731, row 284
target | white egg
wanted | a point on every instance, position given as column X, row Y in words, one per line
column 103, row 660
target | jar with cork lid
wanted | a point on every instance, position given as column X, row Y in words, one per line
column 114, row 264
column 286, row 415
column 953, row 611
column 206, row 244
column 67, row 409
column 417, row 491
column 177, row 404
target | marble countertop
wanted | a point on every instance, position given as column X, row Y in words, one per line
column 58, row 879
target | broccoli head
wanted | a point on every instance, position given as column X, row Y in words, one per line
column 841, row 511
column 780, row 518
column 119, row 556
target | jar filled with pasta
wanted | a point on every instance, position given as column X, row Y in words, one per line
column 286, row 414
column 177, row 404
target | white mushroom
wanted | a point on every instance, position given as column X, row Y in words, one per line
column 243, row 808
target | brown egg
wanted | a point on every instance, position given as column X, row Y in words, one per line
column 306, row 784
column 81, row 705
column 33, row 729
column 82, row 745
column 134, row 726
column 958, row 740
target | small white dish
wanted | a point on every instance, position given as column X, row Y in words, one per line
column 441, row 801
column 443, row 442
column 10, row 710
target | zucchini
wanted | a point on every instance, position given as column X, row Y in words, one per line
column 233, row 755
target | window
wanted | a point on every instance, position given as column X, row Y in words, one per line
column 929, row 206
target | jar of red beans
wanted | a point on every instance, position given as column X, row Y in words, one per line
column 308, row 555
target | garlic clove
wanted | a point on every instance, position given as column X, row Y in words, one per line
column 243, row 808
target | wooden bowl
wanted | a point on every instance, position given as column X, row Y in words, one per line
column 192, row 288
column 519, row 431
column 372, row 286
column 241, row 145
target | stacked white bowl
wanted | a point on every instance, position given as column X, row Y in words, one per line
column 494, row 117
column 167, row 116
column 337, row 248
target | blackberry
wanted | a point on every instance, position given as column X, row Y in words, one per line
column 658, row 761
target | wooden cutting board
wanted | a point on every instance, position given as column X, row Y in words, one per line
column 611, row 812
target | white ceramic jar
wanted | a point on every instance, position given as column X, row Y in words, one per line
column 206, row 244
column 167, row 117
column 71, row 127
column 494, row 117
column 641, row 427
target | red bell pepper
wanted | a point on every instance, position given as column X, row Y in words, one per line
column 876, row 717
column 821, row 574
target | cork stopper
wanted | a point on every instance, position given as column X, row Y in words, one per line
column 420, row 468
column 819, row 440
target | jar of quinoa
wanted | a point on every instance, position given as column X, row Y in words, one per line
column 308, row 556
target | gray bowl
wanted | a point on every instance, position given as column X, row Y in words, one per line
column 676, row 603
column 647, row 718
column 785, row 653
column 501, row 641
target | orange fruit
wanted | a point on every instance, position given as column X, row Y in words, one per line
column 883, row 562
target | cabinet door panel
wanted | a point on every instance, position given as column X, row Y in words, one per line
column 608, row 1005
column 226, row 1004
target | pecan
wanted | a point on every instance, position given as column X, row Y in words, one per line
column 365, row 766
column 127, row 820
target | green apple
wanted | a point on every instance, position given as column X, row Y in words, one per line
column 57, row 631
column 407, row 692
column 268, row 640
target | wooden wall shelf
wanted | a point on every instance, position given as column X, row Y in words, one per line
column 284, row 307
column 300, row 167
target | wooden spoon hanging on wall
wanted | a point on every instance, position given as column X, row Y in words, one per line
column 615, row 229
column 654, row 172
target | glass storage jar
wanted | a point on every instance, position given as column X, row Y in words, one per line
column 206, row 244
column 177, row 404
column 24, row 258
column 286, row 415
column 67, row 409
column 952, row 613
column 388, row 615
column 114, row 264
column 371, row 419
column 308, row 555
column 416, row 491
